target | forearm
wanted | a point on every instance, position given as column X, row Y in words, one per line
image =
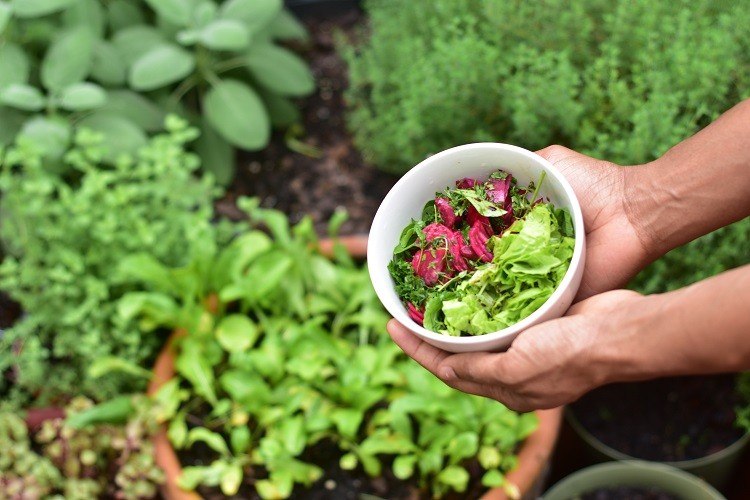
column 699, row 185
column 703, row 328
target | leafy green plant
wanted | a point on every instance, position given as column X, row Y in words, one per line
column 619, row 80
column 114, row 461
column 63, row 238
column 118, row 66
column 284, row 351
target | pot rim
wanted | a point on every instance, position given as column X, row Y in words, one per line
column 627, row 473
column 533, row 454
column 615, row 454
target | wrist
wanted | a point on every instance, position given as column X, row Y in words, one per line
column 644, row 202
column 624, row 341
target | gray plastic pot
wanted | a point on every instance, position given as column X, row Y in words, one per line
column 635, row 474
column 716, row 468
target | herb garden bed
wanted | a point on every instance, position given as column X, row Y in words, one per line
column 332, row 172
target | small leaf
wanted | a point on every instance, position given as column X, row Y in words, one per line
column 347, row 421
column 108, row 65
column 292, row 432
column 492, row 479
column 286, row 27
column 160, row 66
column 282, row 111
column 134, row 41
column 124, row 13
column 82, row 96
column 225, row 34
column 68, row 59
column 256, row 14
column 403, row 466
column 489, row 457
column 109, row 364
column 6, row 11
column 188, row 37
column 193, row 365
column 214, row 440
column 136, row 108
column 168, row 398
column 50, row 135
column 22, row 96
column 177, row 12
column 454, row 476
column 177, row 431
column 280, row 71
column 231, row 479
column 236, row 333
column 204, row 13
column 38, row 8
column 14, row 65
column 192, row 476
column 11, row 122
column 217, row 155
column 88, row 14
column 348, row 461
column 120, row 136
column 240, row 439
column 237, row 114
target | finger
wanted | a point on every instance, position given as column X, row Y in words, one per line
column 478, row 367
column 422, row 352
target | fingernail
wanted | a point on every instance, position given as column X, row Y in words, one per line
column 448, row 373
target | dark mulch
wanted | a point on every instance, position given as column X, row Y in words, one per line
column 9, row 311
column 670, row 419
column 628, row 493
column 298, row 184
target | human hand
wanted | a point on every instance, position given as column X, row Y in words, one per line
column 616, row 248
column 548, row 365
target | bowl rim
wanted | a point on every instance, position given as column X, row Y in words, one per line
column 402, row 184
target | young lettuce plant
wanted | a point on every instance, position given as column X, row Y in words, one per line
column 117, row 67
column 288, row 355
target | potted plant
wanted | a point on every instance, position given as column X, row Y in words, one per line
column 630, row 478
column 285, row 381
column 688, row 422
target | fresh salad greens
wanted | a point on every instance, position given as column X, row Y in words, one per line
column 482, row 257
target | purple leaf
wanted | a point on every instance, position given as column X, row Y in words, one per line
column 415, row 313
column 446, row 212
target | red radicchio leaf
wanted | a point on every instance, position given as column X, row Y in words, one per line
column 473, row 217
column 415, row 314
column 446, row 212
column 466, row 183
column 478, row 238
column 499, row 189
column 429, row 264
column 454, row 240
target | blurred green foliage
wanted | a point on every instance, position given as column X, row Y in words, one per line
column 619, row 80
column 285, row 350
column 63, row 237
column 119, row 66
column 59, row 461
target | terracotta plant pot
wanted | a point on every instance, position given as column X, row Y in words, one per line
column 533, row 455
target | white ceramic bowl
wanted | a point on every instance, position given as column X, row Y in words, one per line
column 406, row 199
